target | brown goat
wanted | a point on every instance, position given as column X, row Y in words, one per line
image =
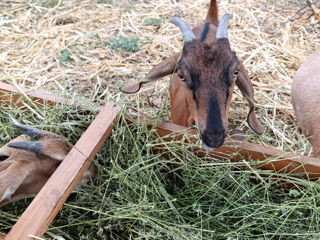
column 28, row 165
column 306, row 99
column 202, row 86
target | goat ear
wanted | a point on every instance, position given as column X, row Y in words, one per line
column 10, row 179
column 4, row 151
column 55, row 149
column 244, row 84
column 162, row 69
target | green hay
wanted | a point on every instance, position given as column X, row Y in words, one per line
column 139, row 194
column 65, row 46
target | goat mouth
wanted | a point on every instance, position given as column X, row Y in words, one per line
column 210, row 149
column 212, row 142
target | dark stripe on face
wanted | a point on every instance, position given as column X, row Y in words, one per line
column 214, row 121
column 204, row 32
column 195, row 85
column 226, row 82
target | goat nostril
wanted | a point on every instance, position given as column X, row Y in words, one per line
column 213, row 139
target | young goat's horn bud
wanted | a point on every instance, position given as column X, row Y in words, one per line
column 222, row 31
column 185, row 29
column 28, row 146
column 31, row 132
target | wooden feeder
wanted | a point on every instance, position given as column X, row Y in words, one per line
column 42, row 210
column 267, row 158
column 45, row 206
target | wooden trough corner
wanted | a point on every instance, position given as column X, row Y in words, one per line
column 45, row 206
column 266, row 158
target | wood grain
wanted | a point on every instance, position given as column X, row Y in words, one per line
column 48, row 202
column 268, row 158
column 2, row 236
column 11, row 94
column 42, row 210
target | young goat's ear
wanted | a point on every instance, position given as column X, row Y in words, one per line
column 56, row 149
column 11, row 177
column 244, row 84
column 4, row 152
column 163, row 69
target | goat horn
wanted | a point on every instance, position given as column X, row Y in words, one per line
column 222, row 31
column 185, row 29
column 32, row 132
column 28, row 146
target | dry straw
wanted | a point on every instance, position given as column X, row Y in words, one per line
column 88, row 48
column 58, row 45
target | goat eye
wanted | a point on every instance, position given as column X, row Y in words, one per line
column 236, row 72
column 181, row 77
column 2, row 158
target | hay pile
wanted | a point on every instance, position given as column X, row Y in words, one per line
column 91, row 48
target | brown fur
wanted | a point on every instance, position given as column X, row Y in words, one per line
column 23, row 173
column 210, row 72
column 306, row 99
column 207, row 59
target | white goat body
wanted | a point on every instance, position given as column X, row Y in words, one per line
column 305, row 93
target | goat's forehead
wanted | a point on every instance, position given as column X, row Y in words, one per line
column 202, row 54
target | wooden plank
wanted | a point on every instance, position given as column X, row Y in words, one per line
column 12, row 94
column 42, row 210
column 2, row 236
column 236, row 150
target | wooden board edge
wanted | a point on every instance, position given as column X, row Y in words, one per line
column 268, row 158
column 231, row 145
column 2, row 236
column 40, row 96
column 42, row 210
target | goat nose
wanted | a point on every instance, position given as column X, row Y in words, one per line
column 213, row 139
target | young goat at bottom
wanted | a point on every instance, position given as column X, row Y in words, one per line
column 28, row 165
column 202, row 86
column 305, row 93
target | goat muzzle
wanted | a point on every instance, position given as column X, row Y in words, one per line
column 213, row 140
